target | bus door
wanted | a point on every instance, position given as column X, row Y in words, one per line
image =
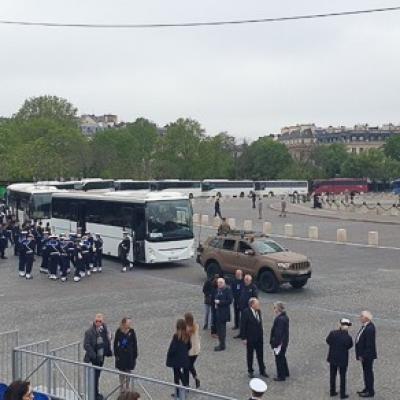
column 79, row 213
column 139, row 226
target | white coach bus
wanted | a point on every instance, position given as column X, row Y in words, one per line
column 161, row 222
column 29, row 201
column 282, row 187
column 129, row 184
column 225, row 187
column 189, row 188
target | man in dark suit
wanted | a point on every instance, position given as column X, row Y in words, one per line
column 236, row 287
column 340, row 342
column 279, row 340
column 366, row 352
column 251, row 332
column 223, row 300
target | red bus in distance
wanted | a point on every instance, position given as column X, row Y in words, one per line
column 341, row 185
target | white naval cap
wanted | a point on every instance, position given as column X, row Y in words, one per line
column 345, row 321
column 258, row 385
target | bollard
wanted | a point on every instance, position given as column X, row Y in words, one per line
column 247, row 224
column 373, row 238
column 288, row 230
column 313, row 232
column 394, row 211
column 216, row 222
column 341, row 235
column 267, row 228
column 196, row 218
column 232, row 222
column 204, row 220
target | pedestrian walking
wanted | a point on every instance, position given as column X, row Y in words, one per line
column 125, row 351
column 283, row 207
column 98, row 255
column 223, row 300
column 53, row 250
column 217, row 208
column 207, row 292
column 124, row 248
column 258, row 387
column 236, row 288
column 252, row 334
column 253, row 199
column 366, row 352
column 260, row 207
column 178, row 355
column 29, row 251
column 339, row 342
column 97, row 345
column 194, row 335
column 279, row 341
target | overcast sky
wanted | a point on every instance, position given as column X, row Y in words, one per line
column 249, row 80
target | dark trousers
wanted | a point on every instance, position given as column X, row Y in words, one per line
column 124, row 260
column 213, row 321
column 192, row 369
column 64, row 264
column 54, row 259
column 45, row 261
column 281, row 364
column 342, row 373
column 29, row 263
column 21, row 262
column 236, row 313
column 98, row 259
column 368, row 373
column 221, row 331
column 181, row 376
column 86, row 261
column 218, row 212
column 258, row 347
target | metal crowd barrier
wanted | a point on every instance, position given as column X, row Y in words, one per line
column 8, row 341
column 50, row 372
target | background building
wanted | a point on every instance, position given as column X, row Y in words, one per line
column 301, row 139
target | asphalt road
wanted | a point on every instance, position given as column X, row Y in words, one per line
column 346, row 280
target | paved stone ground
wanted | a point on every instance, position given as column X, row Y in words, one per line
column 345, row 280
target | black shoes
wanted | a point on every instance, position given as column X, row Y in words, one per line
column 277, row 379
column 264, row 374
column 237, row 337
column 251, row 375
column 197, row 380
column 346, row 396
column 219, row 348
column 366, row 394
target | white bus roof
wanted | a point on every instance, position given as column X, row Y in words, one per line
column 140, row 196
column 31, row 188
column 227, row 180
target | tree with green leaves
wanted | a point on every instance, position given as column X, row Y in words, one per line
column 265, row 158
column 392, row 147
column 329, row 158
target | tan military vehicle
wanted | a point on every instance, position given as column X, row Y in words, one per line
column 256, row 254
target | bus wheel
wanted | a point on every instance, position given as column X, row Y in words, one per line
column 241, row 194
column 271, row 194
column 219, row 194
column 190, row 195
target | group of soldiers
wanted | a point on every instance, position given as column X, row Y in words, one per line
column 58, row 253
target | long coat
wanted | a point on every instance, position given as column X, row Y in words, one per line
column 366, row 344
column 280, row 331
column 125, row 350
column 90, row 345
column 251, row 329
column 223, row 308
column 178, row 353
column 340, row 342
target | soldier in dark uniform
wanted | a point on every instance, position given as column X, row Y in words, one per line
column 3, row 241
column 236, row 287
column 53, row 248
column 98, row 253
column 340, row 342
column 21, row 253
column 90, row 240
column 64, row 258
column 123, row 251
column 44, row 266
column 78, row 261
column 15, row 237
column 85, row 252
column 29, row 250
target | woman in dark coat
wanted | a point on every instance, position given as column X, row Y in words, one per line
column 178, row 355
column 125, row 351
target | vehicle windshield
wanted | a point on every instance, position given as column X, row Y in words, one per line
column 41, row 206
column 169, row 220
column 267, row 246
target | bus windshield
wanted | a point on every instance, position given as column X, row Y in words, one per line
column 41, row 205
column 169, row 220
